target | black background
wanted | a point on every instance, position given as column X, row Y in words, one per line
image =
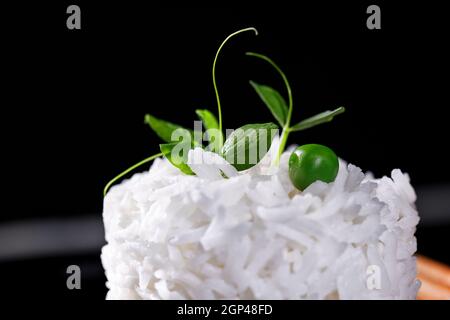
column 73, row 101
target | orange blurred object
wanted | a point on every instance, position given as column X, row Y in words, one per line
column 435, row 278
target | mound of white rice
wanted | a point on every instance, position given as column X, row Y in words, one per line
column 254, row 236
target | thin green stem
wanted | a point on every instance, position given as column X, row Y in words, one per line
column 283, row 140
column 129, row 170
column 214, row 72
column 286, row 127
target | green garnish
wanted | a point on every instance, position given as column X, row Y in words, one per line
column 273, row 100
column 277, row 106
column 247, row 145
column 165, row 129
column 212, row 129
column 219, row 110
column 110, row 183
column 177, row 154
column 208, row 119
column 322, row 117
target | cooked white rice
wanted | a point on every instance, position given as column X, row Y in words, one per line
column 254, row 236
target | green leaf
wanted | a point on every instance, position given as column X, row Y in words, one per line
column 247, row 145
column 320, row 118
column 164, row 129
column 177, row 154
column 273, row 100
column 210, row 122
column 209, row 119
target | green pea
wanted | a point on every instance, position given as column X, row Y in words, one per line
column 312, row 162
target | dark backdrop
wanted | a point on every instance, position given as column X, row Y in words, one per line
column 73, row 101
